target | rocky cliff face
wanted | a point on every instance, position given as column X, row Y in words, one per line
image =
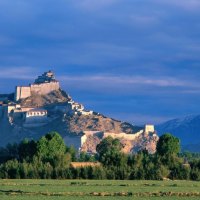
column 103, row 126
column 98, row 122
column 141, row 142
column 38, row 100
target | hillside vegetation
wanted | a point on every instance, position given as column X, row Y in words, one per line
column 50, row 158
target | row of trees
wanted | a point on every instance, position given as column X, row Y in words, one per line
column 50, row 158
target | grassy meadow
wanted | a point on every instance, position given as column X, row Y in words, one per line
column 97, row 189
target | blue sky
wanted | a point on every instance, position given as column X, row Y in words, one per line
column 135, row 60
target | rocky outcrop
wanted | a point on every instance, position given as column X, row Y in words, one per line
column 97, row 122
column 131, row 144
column 38, row 100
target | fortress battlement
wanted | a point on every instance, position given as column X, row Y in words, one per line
column 44, row 84
column 46, row 77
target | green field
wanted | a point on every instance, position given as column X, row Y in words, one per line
column 94, row 190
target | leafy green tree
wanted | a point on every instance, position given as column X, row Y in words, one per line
column 110, row 172
column 27, row 149
column 50, row 145
column 98, row 173
column 85, row 157
column 195, row 170
column 23, row 170
column 195, row 174
column 12, row 168
column 109, row 151
column 84, row 172
column 180, row 172
column 168, row 145
column 50, row 158
column 72, row 151
column 61, row 160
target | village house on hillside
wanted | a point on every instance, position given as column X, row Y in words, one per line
column 36, row 115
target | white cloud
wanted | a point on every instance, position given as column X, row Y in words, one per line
column 141, row 119
column 130, row 80
column 21, row 73
column 110, row 81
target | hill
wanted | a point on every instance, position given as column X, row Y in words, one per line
column 43, row 106
column 41, row 100
column 187, row 129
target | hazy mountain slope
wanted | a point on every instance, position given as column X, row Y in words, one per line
column 186, row 129
column 97, row 122
column 67, row 126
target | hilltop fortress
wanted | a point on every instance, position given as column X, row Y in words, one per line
column 43, row 106
column 43, row 85
column 31, row 115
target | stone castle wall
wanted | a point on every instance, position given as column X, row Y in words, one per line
column 22, row 92
column 43, row 88
column 123, row 135
column 149, row 128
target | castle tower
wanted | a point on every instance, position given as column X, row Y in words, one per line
column 43, row 85
column 149, row 128
column 22, row 92
column 46, row 77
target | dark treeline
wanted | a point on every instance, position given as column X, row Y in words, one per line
column 49, row 158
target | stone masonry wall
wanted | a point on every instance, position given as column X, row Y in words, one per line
column 123, row 135
column 22, row 92
column 149, row 128
column 44, row 88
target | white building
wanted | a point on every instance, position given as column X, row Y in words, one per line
column 77, row 107
column 74, row 107
column 36, row 115
column 149, row 128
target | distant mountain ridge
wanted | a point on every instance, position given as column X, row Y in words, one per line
column 187, row 129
